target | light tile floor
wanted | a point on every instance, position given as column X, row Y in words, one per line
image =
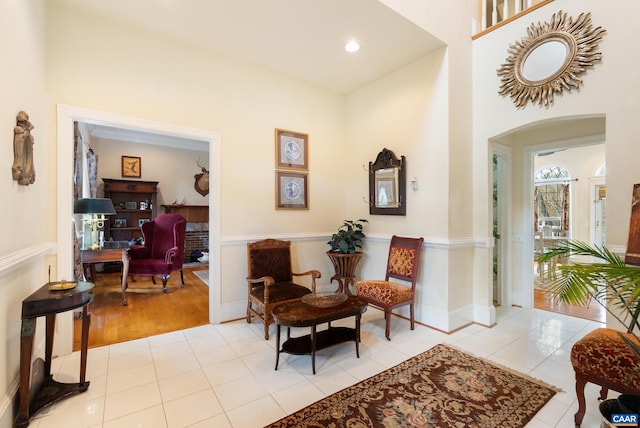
column 223, row 375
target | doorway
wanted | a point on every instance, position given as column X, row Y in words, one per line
column 518, row 148
column 65, row 118
column 565, row 207
column 165, row 176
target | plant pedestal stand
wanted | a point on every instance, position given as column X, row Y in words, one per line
column 345, row 267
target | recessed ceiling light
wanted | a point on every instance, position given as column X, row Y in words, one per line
column 352, row 46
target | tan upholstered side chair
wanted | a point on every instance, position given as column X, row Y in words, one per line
column 402, row 264
column 270, row 279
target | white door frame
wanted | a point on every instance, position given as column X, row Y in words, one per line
column 594, row 183
column 504, row 223
column 65, row 142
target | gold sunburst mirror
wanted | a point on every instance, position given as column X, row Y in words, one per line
column 550, row 59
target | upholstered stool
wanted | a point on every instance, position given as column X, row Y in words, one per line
column 603, row 358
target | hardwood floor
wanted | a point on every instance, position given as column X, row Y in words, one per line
column 149, row 311
column 593, row 312
column 541, row 300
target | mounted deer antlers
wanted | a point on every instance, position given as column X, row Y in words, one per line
column 202, row 179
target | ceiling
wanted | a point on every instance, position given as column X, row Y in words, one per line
column 106, row 132
column 303, row 39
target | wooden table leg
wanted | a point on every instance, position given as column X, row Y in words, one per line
column 26, row 350
column 125, row 274
column 277, row 344
column 358, row 335
column 48, row 349
column 84, row 346
column 313, row 348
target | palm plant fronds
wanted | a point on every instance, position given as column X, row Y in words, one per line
column 609, row 280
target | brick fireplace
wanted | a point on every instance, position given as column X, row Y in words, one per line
column 197, row 234
column 196, row 238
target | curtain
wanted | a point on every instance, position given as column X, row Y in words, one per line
column 86, row 168
column 565, row 209
column 85, row 185
column 536, row 202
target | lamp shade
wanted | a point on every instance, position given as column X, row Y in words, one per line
column 94, row 206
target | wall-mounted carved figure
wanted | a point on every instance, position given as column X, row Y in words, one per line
column 202, row 180
column 22, row 169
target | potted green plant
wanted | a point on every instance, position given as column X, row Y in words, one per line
column 348, row 238
column 345, row 252
column 611, row 283
column 608, row 281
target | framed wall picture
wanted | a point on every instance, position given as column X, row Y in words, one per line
column 142, row 221
column 291, row 191
column 120, row 222
column 131, row 166
column 292, row 150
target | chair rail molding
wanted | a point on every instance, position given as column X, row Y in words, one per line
column 25, row 256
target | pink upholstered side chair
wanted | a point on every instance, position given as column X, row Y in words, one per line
column 162, row 252
column 402, row 264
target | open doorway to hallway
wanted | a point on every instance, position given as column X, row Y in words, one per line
column 568, row 204
column 518, row 148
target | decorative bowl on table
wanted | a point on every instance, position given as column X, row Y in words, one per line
column 61, row 286
column 325, row 299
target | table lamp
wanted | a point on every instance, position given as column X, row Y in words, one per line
column 97, row 209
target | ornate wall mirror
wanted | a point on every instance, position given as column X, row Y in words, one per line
column 387, row 184
column 550, row 59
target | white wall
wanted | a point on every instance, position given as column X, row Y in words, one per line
column 401, row 113
column 442, row 136
column 172, row 168
column 127, row 71
column 24, row 219
column 607, row 95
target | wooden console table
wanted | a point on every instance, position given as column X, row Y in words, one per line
column 90, row 257
column 299, row 314
column 40, row 389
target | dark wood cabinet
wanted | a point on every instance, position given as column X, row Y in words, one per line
column 193, row 213
column 135, row 202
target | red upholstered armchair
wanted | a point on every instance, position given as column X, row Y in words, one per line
column 163, row 249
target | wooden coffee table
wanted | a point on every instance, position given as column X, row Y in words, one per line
column 299, row 314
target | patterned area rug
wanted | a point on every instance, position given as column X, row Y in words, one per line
column 442, row 387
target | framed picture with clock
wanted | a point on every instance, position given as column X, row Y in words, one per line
column 131, row 166
column 292, row 150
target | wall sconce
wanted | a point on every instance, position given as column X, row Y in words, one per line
column 414, row 183
column 97, row 208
